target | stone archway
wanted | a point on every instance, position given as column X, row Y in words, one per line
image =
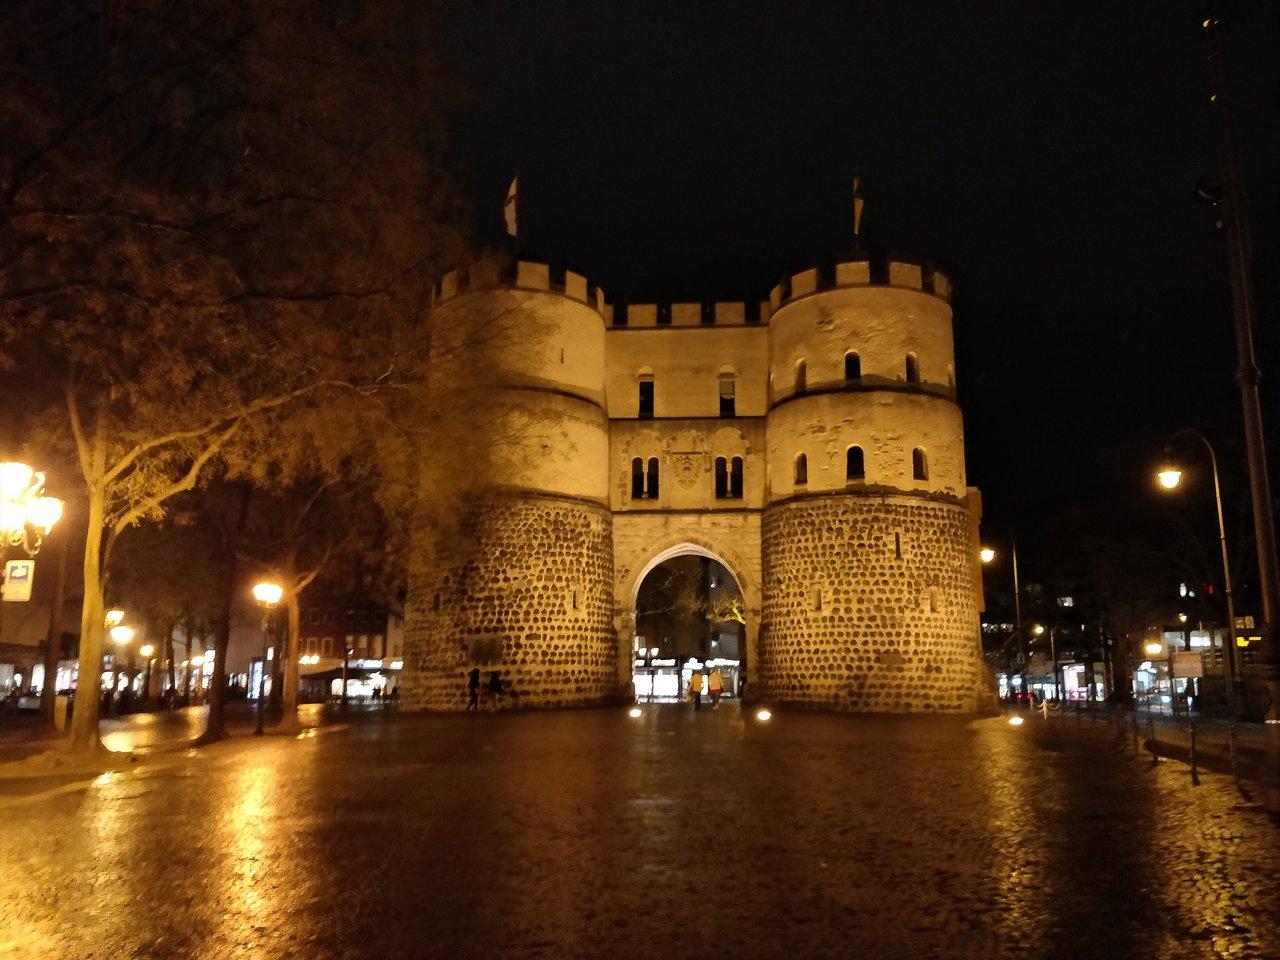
column 734, row 549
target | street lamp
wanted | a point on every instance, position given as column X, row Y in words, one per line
column 268, row 594
column 121, row 635
column 987, row 555
column 26, row 515
column 1169, row 478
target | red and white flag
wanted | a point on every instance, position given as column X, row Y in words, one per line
column 510, row 211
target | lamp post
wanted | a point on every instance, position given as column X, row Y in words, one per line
column 1169, row 477
column 1230, row 198
column 26, row 515
column 267, row 594
column 121, row 636
column 988, row 555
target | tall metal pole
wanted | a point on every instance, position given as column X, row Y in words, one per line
column 262, row 672
column 1017, row 618
column 1240, row 264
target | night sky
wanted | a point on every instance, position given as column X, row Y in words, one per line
column 1043, row 154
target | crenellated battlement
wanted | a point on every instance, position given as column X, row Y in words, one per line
column 890, row 271
column 491, row 274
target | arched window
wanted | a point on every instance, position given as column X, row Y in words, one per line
column 735, row 479
column 637, row 479
column 802, row 470
column 652, row 487
column 854, row 467
column 646, row 396
column 852, row 366
column 913, row 369
column 728, row 391
column 802, row 376
column 722, row 478
column 919, row 464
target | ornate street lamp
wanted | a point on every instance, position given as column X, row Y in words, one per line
column 267, row 594
column 26, row 515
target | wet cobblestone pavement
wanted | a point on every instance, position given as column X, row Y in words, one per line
column 590, row 834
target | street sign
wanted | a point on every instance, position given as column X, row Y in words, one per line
column 1188, row 663
column 18, row 575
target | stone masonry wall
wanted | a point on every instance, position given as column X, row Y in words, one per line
column 525, row 587
column 870, row 605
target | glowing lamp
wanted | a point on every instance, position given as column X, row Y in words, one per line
column 1153, row 648
column 114, row 617
column 764, row 714
column 267, row 593
column 13, row 516
column 147, row 650
column 1038, row 629
column 15, row 479
column 44, row 512
column 987, row 554
column 1169, row 477
column 634, row 713
column 197, row 660
column 121, row 634
column 1015, row 721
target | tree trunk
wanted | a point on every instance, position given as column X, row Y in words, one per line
column 215, row 727
column 84, row 718
column 53, row 640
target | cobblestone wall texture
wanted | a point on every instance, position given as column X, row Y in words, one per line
column 525, row 587
column 869, row 605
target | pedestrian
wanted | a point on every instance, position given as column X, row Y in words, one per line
column 473, row 689
column 695, row 689
column 715, row 687
column 494, row 689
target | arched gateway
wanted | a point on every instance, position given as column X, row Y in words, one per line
column 662, row 430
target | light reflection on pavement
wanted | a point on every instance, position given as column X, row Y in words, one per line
column 590, row 834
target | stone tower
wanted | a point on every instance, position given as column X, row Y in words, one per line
column 812, row 444
column 524, row 585
column 871, row 586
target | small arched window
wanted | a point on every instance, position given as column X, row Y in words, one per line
column 646, row 396
column 854, row 467
column 802, row 470
column 651, row 488
column 913, row 369
column 637, row 479
column 728, row 394
column 919, row 464
column 722, row 478
column 735, row 478
column 802, row 376
column 852, row 366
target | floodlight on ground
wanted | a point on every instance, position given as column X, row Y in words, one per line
column 764, row 714
column 1015, row 721
column 634, row 713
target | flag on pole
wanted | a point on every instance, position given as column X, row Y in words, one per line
column 510, row 211
column 857, row 207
